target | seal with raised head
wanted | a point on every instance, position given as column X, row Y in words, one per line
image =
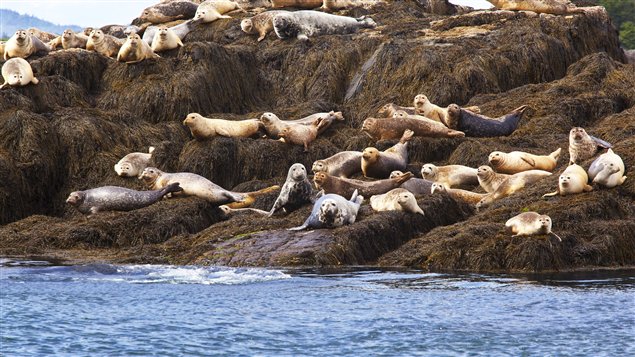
column 300, row 134
column 301, row 4
column 555, row 7
column 204, row 128
column 180, row 30
column 168, row 11
column 260, row 24
column 326, row 119
column 418, row 187
column 212, row 10
column 458, row 194
column 41, row 35
column 107, row 45
column 17, row 72
column 450, row 175
column 388, row 110
column 343, row 164
column 133, row 164
column 114, row 198
column 273, row 125
column 583, row 146
column 518, row 161
column 165, row 39
column 398, row 199
column 478, row 125
column 424, row 107
column 514, row 183
column 607, row 170
column 305, row 23
column 21, row 44
column 391, row 128
column 530, row 223
column 295, row 192
column 70, row 39
column 488, row 179
column 331, row 211
column 572, row 180
column 135, row 50
column 346, row 186
column 378, row 164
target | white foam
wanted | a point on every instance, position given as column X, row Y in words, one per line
column 166, row 274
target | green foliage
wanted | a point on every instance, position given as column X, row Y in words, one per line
column 627, row 35
column 622, row 12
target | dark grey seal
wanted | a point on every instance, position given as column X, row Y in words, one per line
column 304, row 23
column 477, row 125
column 295, row 192
column 418, row 187
column 114, row 198
column 331, row 211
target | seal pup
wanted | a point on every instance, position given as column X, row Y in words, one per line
column 388, row 110
column 555, row 7
column 135, row 50
column 114, row 198
column 165, row 39
column 212, row 10
column 391, row 128
column 41, row 35
column 133, row 163
column 398, row 199
column 17, row 72
column 583, row 146
column 418, row 187
column 181, row 30
column 514, row 183
column 423, row 106
column 70, row 39
column 305, row 23
column 167, row 11
column 204, row 128
column 518, row 161
column 450, row 175
column 301, row 4
column 488, row 179
column 107, row 45
column 478, row 125
column 331, row 211
column 260, row 24
column 299, row 134
column 346, row 186
column 21, row 44
column 326, row 119
column 343, row 164
column 379, row 165
column 295, row 192
column 572, row 180
column 530, row 223
column 607, row 170
column 458, row 194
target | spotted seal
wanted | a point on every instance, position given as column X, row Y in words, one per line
column 70, row 39
column 478, row 125
column 398, row 199
column 378, row 164
column 331, row 211
column 133, row 163
column 514, row 183
column 450, row 175
column 305, row 23
column 107, row 45
column 391, row 128
column 23, row 45
column 418, row 187
column 17, row 72
column 272, row 124
column 260, row 24
column 135, row 50
column 41, row 35
column 295, row 192
column 583, row 146
column 343, row 164
column 607, row 170
column 168, row 11
column 518, row 161
column 388, row 110
column 346, row 186
column 572, row 180
column 490, row 180
column 530, row 223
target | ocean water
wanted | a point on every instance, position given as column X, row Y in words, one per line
column 150, row 310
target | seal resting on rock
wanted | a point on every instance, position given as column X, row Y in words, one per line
column 17, row 72
column 530, row 223
column 346, row 186
column 583, row 146
column 107, row 45
column 167, row 11
column 212, row 10
column 418, row 187
column 70, row 39
column 133, row 164
column 295, row 192
column 41, row 35
column 391, row 128
column 555, row 7
column 260, row 24
column 165, row 39
column 572, row 180
column 378, row 164
column 302, row 4
column 607, row 170
column 490, row 180
column 343, row 164
column 331, row 211
column 135, row 50
column 477, row 125
column 398, row 199
column 424, row 107
column 299, row 134
column 113, row 198
column 450, row 175
column 272, row 124
column 204, row 128
column 326, row 119
column 457, row 194
column 518, row 161
column 514, row 183
column 305, row 23
column 180, row 30
column 23, row 45
column 388, row 110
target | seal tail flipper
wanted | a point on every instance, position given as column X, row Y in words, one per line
column 601, row 142
column 556, row 154
column 455, row 133
column 150, row 149
column 407, row 135
column 35, row 80
column 404, row 177
column 173, row 187
column 550, row 194
column 354, row 196
column 588, row 188
column 248, row 198
column 263, row 191
column 521, row 109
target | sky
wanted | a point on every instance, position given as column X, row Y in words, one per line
column 97, row 13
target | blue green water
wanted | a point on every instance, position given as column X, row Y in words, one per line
column 141, row 310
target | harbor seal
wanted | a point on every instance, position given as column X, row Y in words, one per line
column 391, row 128
column 107, row 45
column 514, row 183
column 378, row 164
column 423, row 106
column 458, row 194
column 518, row 161
column 228, row 211
column 204, row 128
column 135, row 50
column 199, row 186
column 398, row 199
column 346, row 186
column 572, row 180
column 607, row 170
column 181, row 30
column 167, row 11
column 119, row 31
column 450, row 175
column 23, row 45
column 478, row 125
column 212, row 10
column 295, row 192
column 114, row 198
column 555, row 7
column 530, row 223
column 331, row 211
column 260, row 24
column 299, row 134
column 70, row 39
column 17, row 72
column 490, row 180
column 165, row 39
column 272, row 124
column 301, row 4
column 305, row 23
column 41, row 35
column 418, row 187
column 326, row 119
column 134, row 163
column 343, row 164
column 388, row 110
column 583, row 146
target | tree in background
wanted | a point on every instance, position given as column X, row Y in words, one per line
column 622, row 13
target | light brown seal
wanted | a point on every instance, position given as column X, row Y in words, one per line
column 530, row 223
column 490, row 180
column 514, row 183
column 300, row 134
column 326, row 119
column 70, row 39
column 345, row 187
column 518, row 161
column 301, row 4
column 555, row 7
column 343, row 164
column 135, row 50
column 260, row 24
column 418, row 187
column 228, row 211
column 583, row 146
column 388, row 110
column 457, row 194
column 17, row 72
column 423, row 106
column 450, row 175
column 167, row 11
column 391, row 128
column 133, row 164
column 23, row 45
column 380, row 164
column 41, row 35
column 572, row 180
column 398, row 199
column 107, row 45
column 272, row 124
column 607, row 170
column 165, row 39
column 204, row 128
column 212, row 10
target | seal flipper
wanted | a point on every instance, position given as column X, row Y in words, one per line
column 601, row 143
